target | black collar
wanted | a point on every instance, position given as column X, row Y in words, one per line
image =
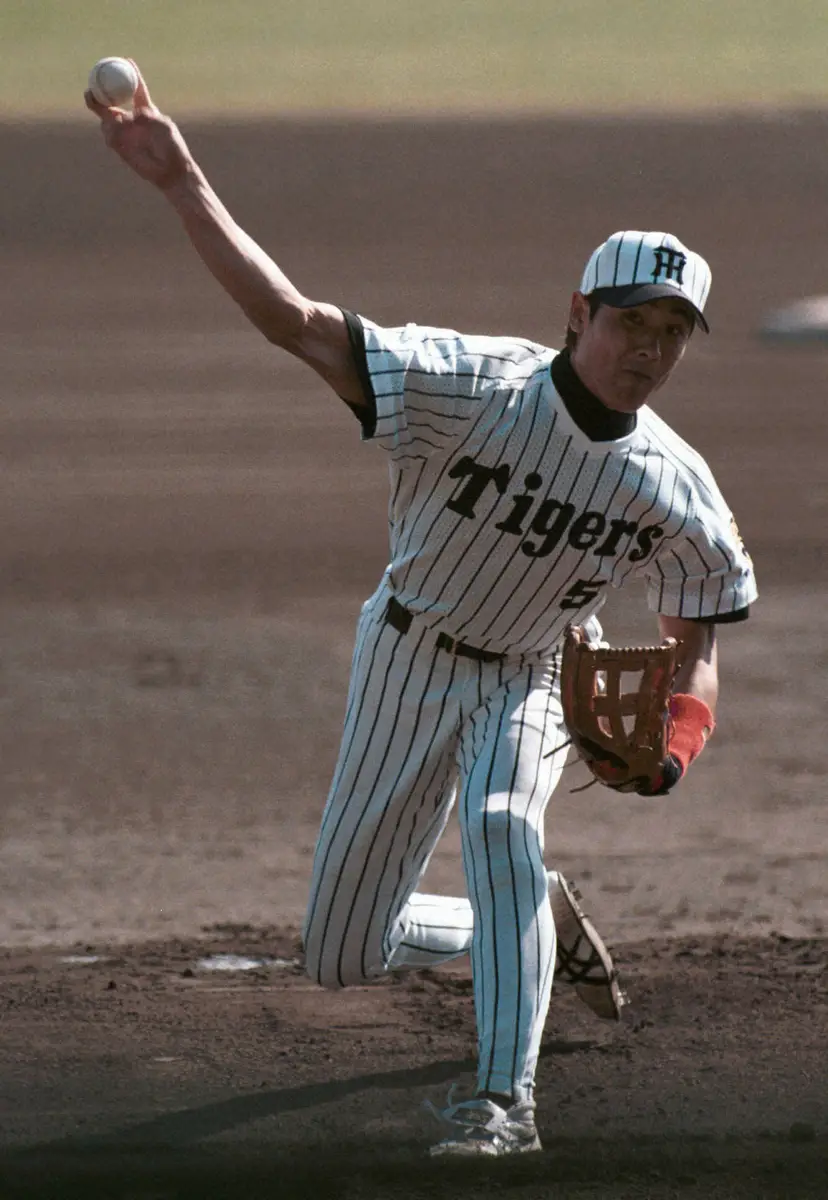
column 591, row 415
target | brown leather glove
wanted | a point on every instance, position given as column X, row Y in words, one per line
column 635, row 737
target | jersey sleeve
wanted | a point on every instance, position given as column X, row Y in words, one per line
column 704, row 573
column 427, row 384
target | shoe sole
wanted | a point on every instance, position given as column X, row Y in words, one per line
column 480, row 1150
column 603, row 995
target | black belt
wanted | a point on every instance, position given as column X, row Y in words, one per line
column 400, row 618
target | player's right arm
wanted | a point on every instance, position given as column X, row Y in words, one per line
column 153, row 147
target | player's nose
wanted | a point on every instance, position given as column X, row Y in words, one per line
column 648, row 344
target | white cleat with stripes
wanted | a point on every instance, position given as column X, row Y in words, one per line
column 480, row 1128
column 583, row 960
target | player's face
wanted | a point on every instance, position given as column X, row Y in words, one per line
column 624, row 354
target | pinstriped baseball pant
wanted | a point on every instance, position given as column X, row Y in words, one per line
column 425, row 731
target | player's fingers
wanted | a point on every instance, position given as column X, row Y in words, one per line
column 109, row 114
column 142, row 98
column 114, row 130
column 100, row 110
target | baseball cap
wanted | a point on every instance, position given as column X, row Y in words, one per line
column 632, row 267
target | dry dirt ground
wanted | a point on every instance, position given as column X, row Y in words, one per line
column 188, row 525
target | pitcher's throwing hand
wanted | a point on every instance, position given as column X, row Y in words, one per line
column 148, row 142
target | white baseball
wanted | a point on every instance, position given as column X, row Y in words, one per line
column 113, row 81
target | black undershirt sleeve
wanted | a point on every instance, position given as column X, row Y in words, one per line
column 367, row 416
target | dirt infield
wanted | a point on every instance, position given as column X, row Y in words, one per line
column 188, row 526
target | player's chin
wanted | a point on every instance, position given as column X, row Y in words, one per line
column 638, row 386
column 632, row 392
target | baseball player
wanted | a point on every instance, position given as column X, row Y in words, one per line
column 525, row 483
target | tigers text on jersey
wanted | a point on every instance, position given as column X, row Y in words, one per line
column 507, row 523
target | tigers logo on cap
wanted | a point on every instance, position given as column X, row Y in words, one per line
column 632, row 268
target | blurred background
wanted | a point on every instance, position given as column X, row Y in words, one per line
column 188, row 522
column 433, row 56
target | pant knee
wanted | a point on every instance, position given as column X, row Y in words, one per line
column 320, row 964
column 324, row 977
column 507, row 845
column 334, row 967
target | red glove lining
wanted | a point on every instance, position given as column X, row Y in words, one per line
column 692, row 724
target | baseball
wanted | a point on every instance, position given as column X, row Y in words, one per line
column 113, row 81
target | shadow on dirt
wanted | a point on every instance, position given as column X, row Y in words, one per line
column 700, row 1168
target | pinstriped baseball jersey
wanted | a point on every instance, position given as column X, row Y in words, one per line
column 508, row 523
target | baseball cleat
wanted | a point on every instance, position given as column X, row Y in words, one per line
column 479, row 1128
column 583, row 960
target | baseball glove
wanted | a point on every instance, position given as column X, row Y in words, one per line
column 621, row 735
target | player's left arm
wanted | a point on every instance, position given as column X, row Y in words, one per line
column 698, row 672
column 698, row 580
column 692, row 704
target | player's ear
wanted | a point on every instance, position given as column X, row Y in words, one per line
column 578, row 313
